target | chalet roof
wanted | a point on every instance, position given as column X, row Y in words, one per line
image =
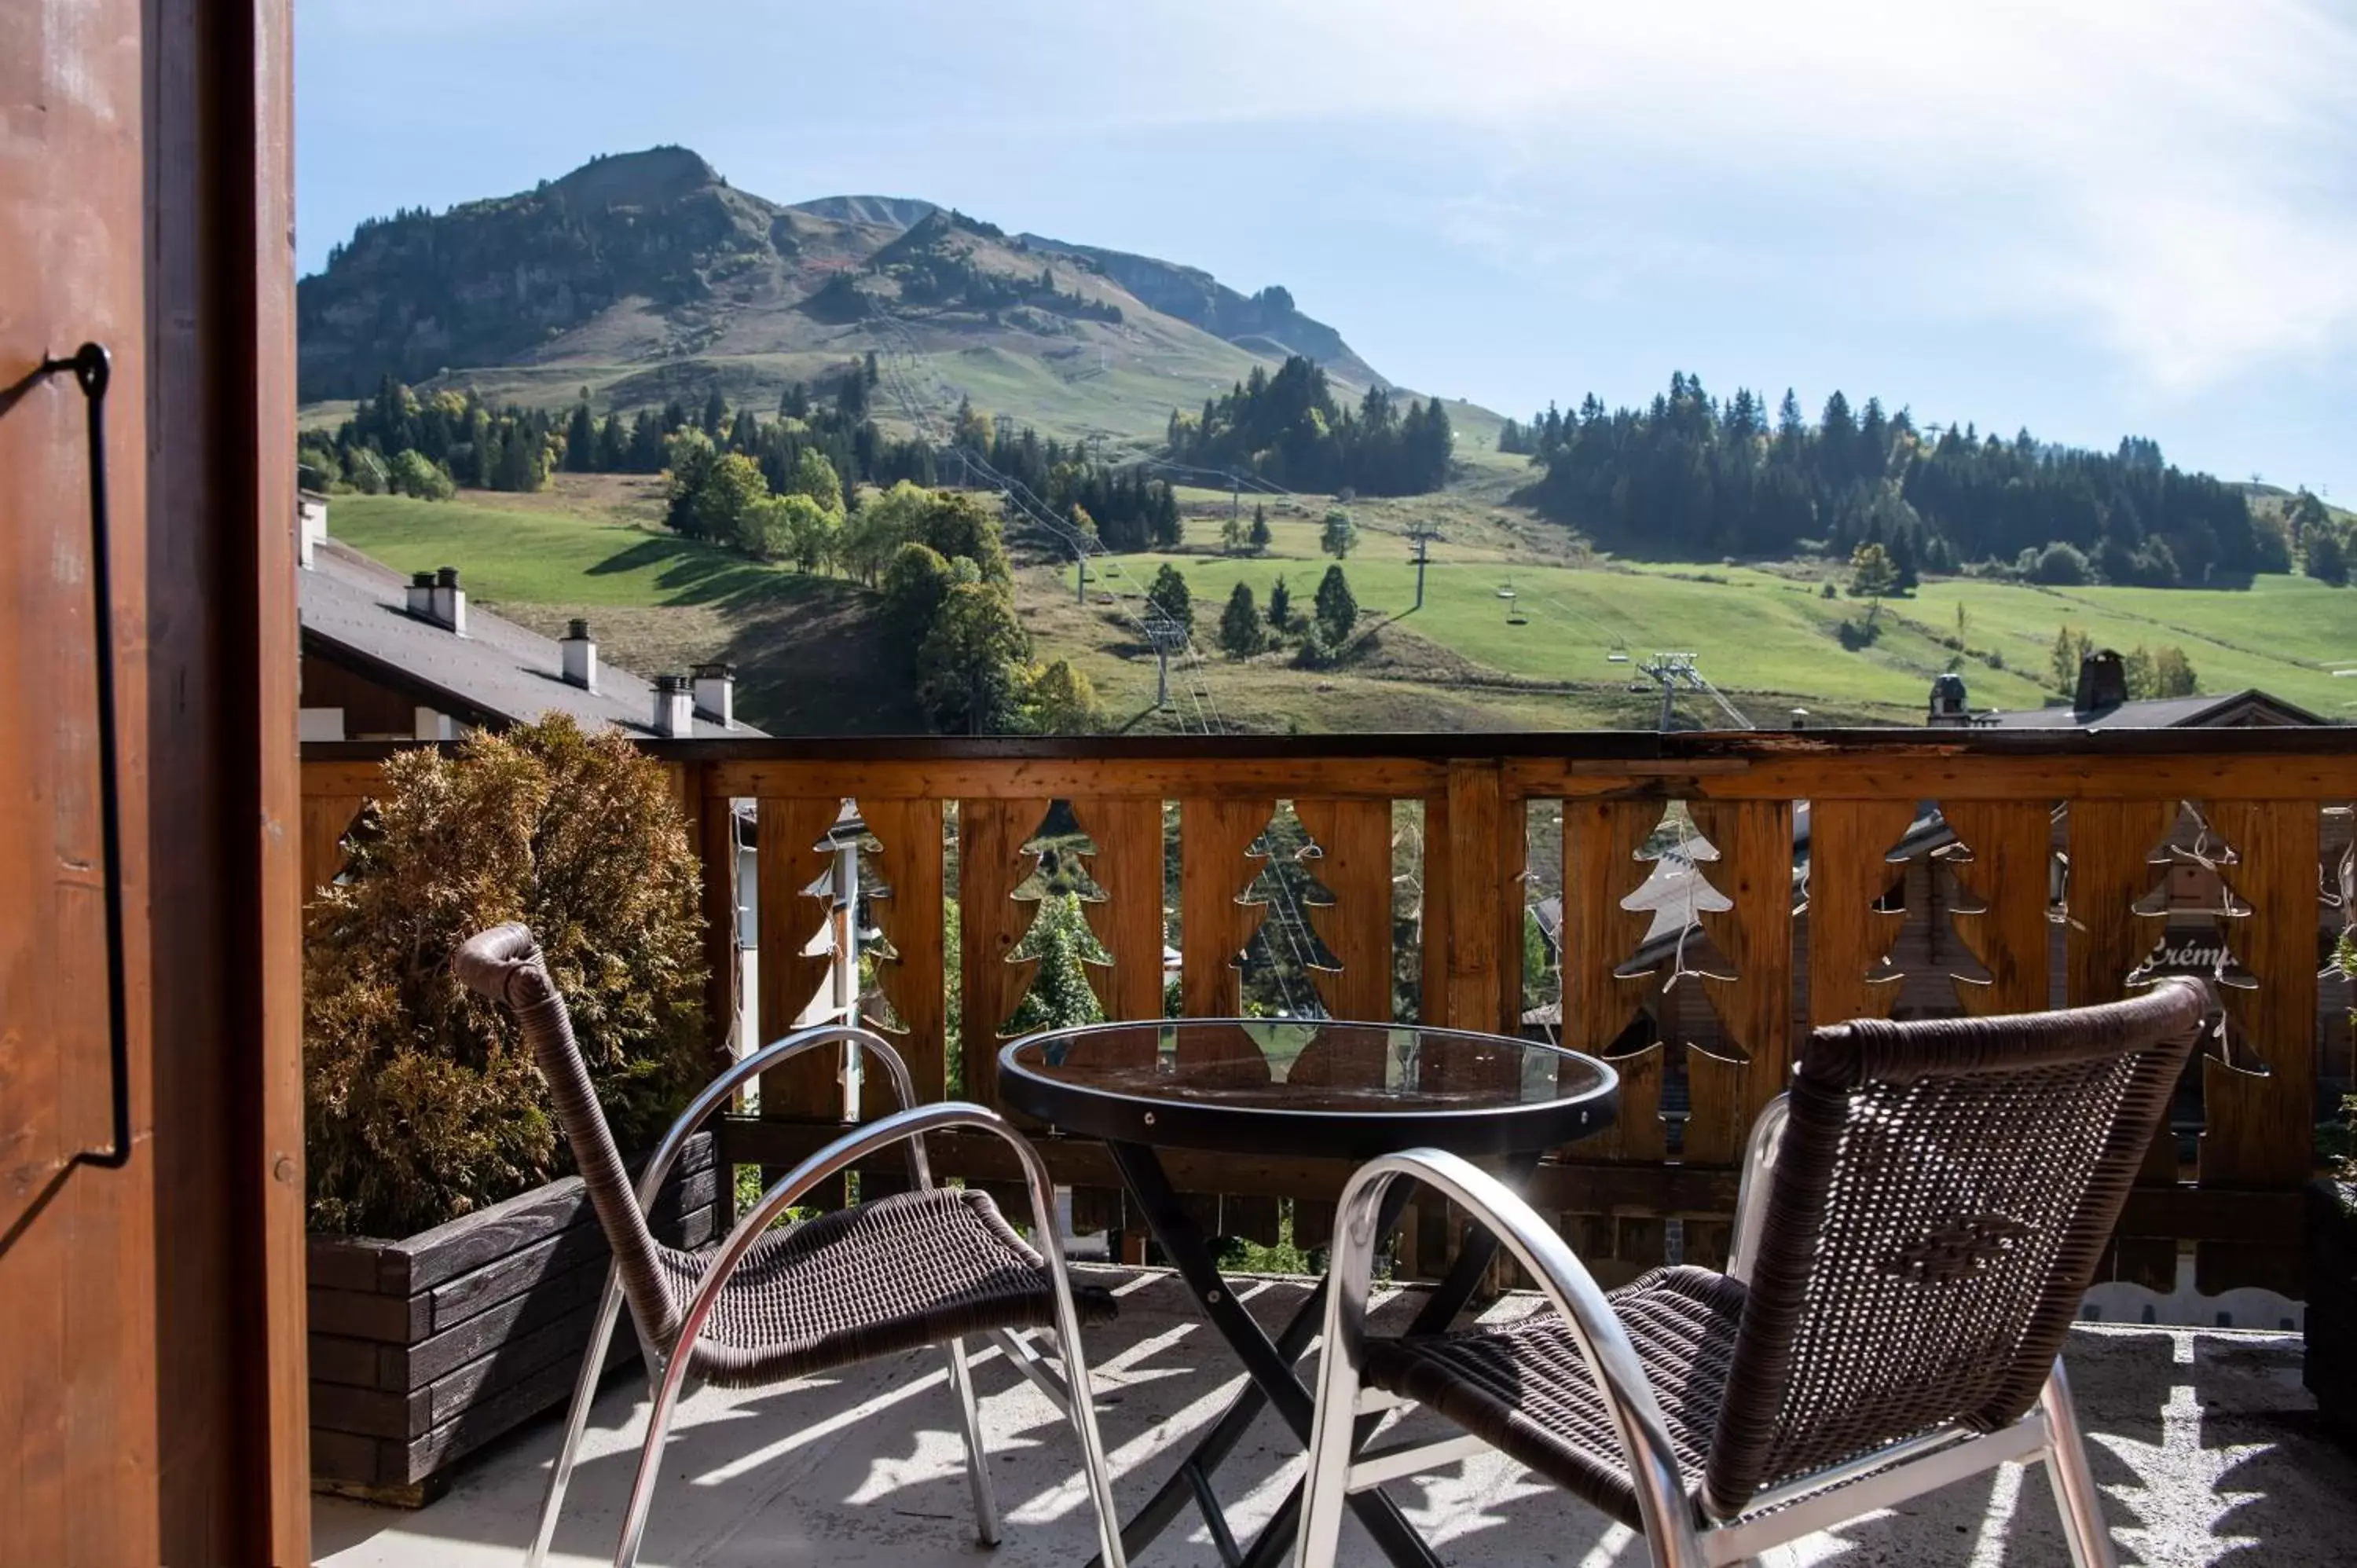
column 2246, row 707
column 354, row 611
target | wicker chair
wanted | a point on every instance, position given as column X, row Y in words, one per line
column 927, row 1266
column 1918, row 1221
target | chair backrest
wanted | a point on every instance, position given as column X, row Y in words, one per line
column 1941, row 1196
column 505, row 963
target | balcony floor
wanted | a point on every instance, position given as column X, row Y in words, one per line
column 2205, row 1444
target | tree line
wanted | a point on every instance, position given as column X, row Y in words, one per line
column 477, row 446
column 1288, row 428
column 1697, row 475
column 427, row 444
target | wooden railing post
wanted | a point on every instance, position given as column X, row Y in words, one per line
column 1476, row 890
column 712, row 831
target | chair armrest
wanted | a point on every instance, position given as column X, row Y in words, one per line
column 717, row 1094
column 1603, row 1343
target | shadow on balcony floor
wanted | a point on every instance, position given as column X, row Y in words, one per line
column 2206, row 1448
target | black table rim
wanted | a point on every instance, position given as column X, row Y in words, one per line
column 1474, row 1131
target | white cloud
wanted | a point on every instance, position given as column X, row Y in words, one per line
column 2179, row 179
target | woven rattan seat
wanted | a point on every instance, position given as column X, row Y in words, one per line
column 1526, row 1390
column 1919, row 1218
column 911, row 1270
column 927, row 1266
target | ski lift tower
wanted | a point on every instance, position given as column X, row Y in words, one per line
column 1421, row 536
column 1667, row 671
column 1168, row 636
column 1672, row 671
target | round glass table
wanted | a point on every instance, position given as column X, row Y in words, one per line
column 1308, row 1089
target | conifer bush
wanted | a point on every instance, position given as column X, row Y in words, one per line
column 421, row 1102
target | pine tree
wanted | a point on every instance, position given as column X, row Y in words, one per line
column 1337, row 607
column 1170, row 597
column 715, row 414
column 581, row 437
column 1280, row 606
column 1240, row 629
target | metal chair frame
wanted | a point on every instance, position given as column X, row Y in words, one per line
column 1681, row 1534
column 667, row 1365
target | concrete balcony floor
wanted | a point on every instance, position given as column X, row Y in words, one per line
column 2205, row 1444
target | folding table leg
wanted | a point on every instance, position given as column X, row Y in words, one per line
column 1269, row 1365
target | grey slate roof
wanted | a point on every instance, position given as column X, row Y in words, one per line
column 2250, row 706
column 353, row 611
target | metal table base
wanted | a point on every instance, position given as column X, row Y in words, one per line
column 1270, row 1365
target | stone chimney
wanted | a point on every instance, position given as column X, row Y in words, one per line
column 437, row 597
column 580, row 655
column 674, row 707
column 715, row 695
column 2103, row 682
column 1949, row 709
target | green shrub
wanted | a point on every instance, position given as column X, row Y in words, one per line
column 421, row 1102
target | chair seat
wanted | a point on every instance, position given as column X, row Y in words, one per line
column 913, row 1269
column 1526, row 1389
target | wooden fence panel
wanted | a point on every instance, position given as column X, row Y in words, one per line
column 2258, row 1124
column 991, row 865
column 2010, row 848
column 908, row 857
column 789, row 856
column 1754, row 840
column 2112, row 845
column 1128, row 920
column 1354, row 861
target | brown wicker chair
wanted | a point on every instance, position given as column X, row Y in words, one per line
column 927, row 1266
column 1919, row 1219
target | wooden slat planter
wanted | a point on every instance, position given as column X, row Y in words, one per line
column 425, row 1348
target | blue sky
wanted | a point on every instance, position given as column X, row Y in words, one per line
column 2104, row 217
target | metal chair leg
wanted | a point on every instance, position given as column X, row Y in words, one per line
column 2074, row 1481
column 977, row 1457
column 1081, row 1408
column 576, row 1419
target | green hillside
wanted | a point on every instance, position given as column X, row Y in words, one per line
column 811, row 659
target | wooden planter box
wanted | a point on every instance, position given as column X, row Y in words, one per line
column 426, row 1349
column 2330, row 1363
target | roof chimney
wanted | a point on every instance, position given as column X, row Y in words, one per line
column 421, row 594
column 2103, row 682
column 715, row 693
column 310, row 524
column 449, row 601
column 674, row 707
column 580, row 655
column 1949, row 709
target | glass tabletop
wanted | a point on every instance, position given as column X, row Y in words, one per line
column 1313, row 1086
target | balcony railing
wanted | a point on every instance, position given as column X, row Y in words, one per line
column 2059, row 865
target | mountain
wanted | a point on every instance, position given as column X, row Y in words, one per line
column 646, row 276
column 1266, row 322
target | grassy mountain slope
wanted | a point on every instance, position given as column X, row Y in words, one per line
column 646, row 276
column 811, row 661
